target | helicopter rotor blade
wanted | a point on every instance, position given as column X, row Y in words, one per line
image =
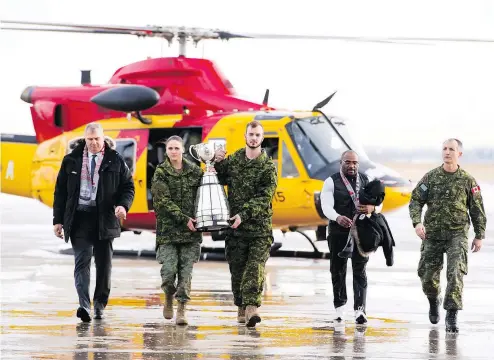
column 362, row 38
column 196, row 33
column 82, row 26
column 148, row 31
column 84, row 31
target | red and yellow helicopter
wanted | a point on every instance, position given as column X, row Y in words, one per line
column 149, row 100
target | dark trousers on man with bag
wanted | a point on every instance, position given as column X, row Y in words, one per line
column 86, row 242
column 338, row 269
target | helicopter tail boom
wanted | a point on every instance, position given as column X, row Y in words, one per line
column 17, row 155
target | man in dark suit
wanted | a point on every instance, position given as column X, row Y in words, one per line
column 93, row 193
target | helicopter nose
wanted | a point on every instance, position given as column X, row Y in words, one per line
column 396, row 197
column 398, row 192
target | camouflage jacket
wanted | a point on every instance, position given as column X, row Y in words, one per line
column 449, row 197
column 251, row 186
column 174, row 195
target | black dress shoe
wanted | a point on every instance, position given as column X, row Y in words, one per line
column 83, row 314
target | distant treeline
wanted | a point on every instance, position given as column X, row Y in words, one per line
column 381, row 154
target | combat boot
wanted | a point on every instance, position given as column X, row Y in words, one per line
column 241, row 315
column 251, row 316
column 451, row 319
column 434, row 303
column 168, row 308
column 181, row 319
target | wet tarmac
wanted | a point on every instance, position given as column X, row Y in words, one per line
column 39, row 303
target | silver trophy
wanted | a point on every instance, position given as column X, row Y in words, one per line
column 211, row 208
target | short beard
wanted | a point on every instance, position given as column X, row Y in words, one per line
column 252, row 147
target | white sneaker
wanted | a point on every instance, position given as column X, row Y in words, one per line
column 339, row 328
column 360, row 317
column 340, row 314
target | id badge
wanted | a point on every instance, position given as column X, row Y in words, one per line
column 85, row 194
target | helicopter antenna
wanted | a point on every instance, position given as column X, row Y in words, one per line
column 266, row 97
column 85, row 77
column 324, row 102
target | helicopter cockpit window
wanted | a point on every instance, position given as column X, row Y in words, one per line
column 127, row 148
column 317, row 143
column 288, row 168
column 345, row 129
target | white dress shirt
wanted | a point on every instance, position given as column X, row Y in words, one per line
column 99, row 155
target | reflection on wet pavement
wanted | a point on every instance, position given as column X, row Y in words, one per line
column 292, row 327
column 39, row 303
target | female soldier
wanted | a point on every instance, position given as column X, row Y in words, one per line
column 178, row 244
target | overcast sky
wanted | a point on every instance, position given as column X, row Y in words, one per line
column 394, row 95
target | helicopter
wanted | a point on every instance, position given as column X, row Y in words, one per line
column 147, row 101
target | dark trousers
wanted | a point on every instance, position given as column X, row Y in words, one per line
column 85, row 242
column 338, row 266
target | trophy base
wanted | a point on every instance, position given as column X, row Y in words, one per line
column 215, row 225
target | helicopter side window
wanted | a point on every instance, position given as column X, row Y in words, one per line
column 58, row 116
column 270, row 145
column 127, row 149
column 288, row 168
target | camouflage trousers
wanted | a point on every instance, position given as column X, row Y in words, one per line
column 177, row 264
column 431, row 263
column 247, row 259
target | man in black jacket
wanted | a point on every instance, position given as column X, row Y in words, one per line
column 93, row 193
column 339, row 201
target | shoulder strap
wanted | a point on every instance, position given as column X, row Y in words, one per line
column 353, row 194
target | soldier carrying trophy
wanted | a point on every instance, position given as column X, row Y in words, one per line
column 178, row 243
column 251, row 178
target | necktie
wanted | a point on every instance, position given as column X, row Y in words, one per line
column 93, row 166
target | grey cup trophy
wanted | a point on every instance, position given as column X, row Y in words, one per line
column 211, row 208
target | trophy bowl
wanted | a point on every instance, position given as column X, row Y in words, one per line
column 212, row 211
column 204, row 151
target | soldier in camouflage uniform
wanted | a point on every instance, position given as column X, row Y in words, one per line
column 178, row 244
column 251, row 179
column 451, row 194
